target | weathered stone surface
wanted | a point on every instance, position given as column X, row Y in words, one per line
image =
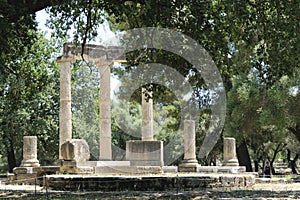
column 31, row 175
column 190, row 163
column 137, row 150
column 170, row 169
column 221, row 169
column 229, row 152
column 103, row 56
column 147, row 117
column 128, row 170
column 188, row 167
column 30, row 152
column 104, row 163
column 92, row 51
column 105, row 150
column 23, row 170
column 65, row 114
column 75, row 150
column 71, row 167
column 177, row 182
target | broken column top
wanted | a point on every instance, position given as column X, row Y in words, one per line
column 91, row 52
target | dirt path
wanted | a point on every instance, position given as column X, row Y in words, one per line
column 259, row 191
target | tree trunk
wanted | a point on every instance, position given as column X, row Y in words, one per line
column 272, row 168
column 11, row 158
column 256, row 166
column 243, row 157
column 292, row 162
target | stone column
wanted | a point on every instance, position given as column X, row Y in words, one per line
column 189, row 141
column 30, row 152
column 105, row 152
column 65, row 114
column 229, row 153
column 189, row 163
column 147, row 117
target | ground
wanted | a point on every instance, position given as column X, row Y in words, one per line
column 259, row 191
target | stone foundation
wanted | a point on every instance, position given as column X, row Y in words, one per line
column 71, row 167
column 177, row 182
column 31, row 175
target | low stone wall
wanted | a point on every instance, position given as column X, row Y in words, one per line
column 148, row 183
column 31, row 175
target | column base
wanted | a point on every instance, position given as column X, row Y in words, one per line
column 231, row 162
column 30, row 163
column 190, row 165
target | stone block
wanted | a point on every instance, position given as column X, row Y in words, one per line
column 145, row 163
column 221, row 169
column 104, row 163
column 148, row 152
column 232, row 169
column 76, row 150
column 170, row 169
column 23, row 170
column 71, row 167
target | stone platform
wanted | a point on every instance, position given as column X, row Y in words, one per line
column 153, row 182
column 107, row 167
column 221, row 169
column 31, row 175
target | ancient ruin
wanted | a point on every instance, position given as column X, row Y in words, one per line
column 143, row 157
column 190, row 163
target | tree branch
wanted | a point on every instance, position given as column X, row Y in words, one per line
column 27, row 7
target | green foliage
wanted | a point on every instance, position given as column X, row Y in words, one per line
column 259, row 114
column 255, row 45
column 82, row 17
column 29, row 102
column 85, row 108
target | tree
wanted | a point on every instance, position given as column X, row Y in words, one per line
column 258, row 115
column 85, row 108
column 241, row 36
column 29, row 103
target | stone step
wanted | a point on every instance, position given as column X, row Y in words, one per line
column 104, row 163
column 128, row 169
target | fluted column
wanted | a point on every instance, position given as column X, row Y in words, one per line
column 30, row 152
column 189, row 163
column 189, row 141
column 65, row 114
column 105, row 152
column 229, row 153
column 147, row 117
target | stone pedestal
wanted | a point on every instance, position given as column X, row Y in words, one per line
column 190, row 163
column 75, row 150
column 144, row 153
column 30, row 152
column 229, row 151
column 65, row 114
